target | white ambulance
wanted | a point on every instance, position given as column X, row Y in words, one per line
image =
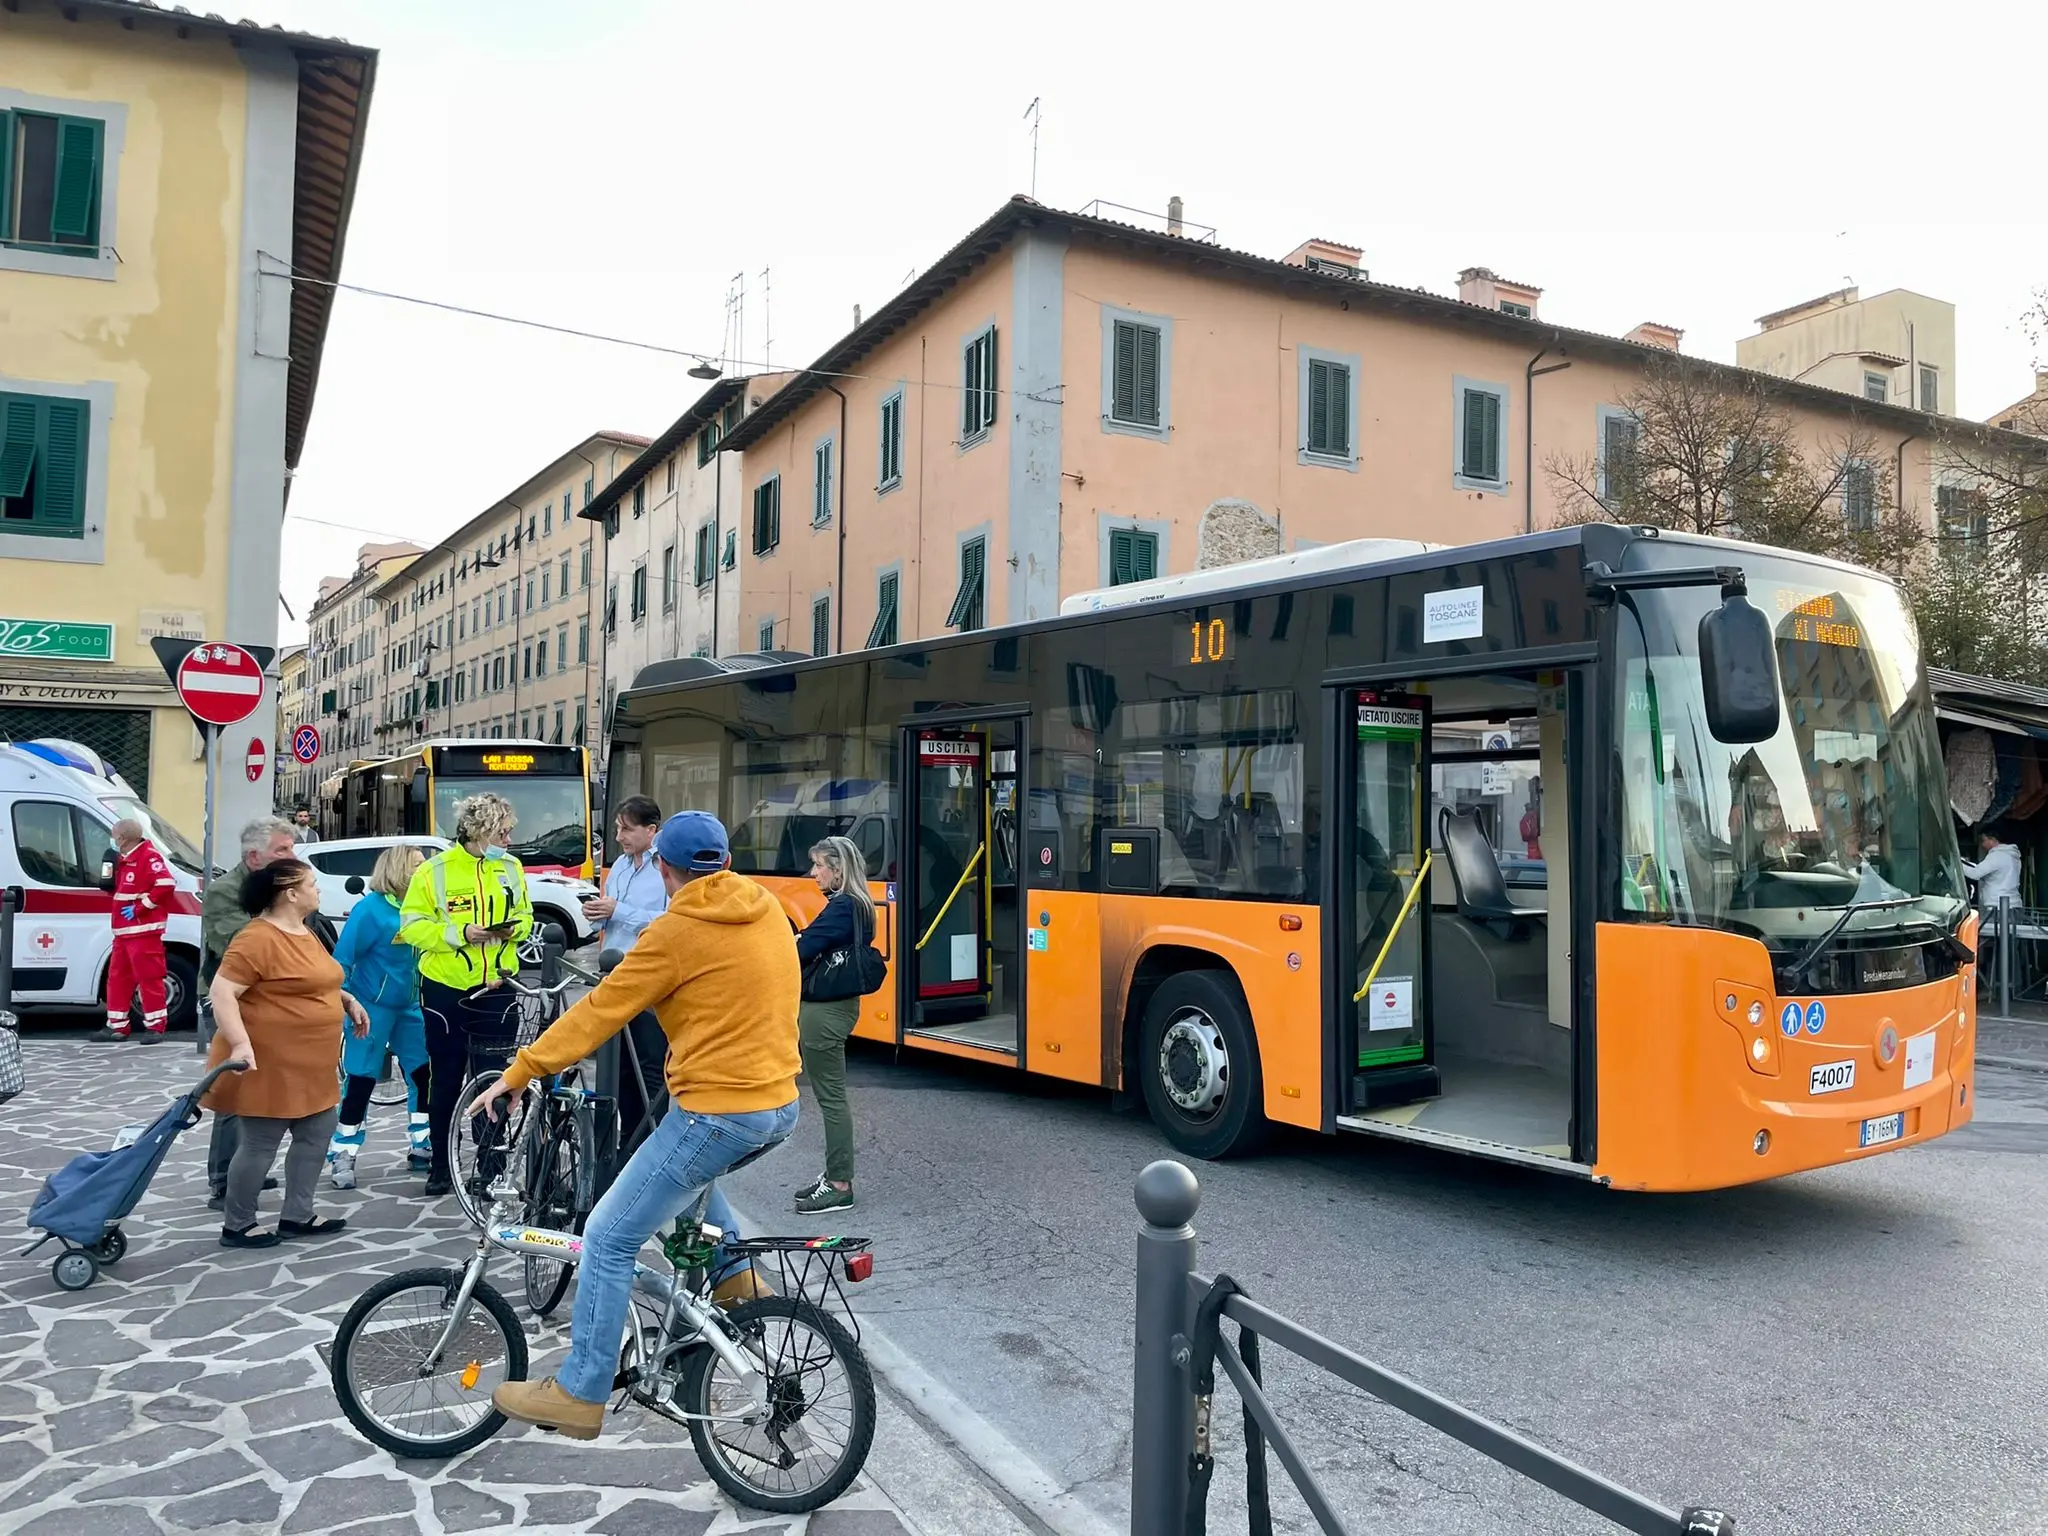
column 58, row 802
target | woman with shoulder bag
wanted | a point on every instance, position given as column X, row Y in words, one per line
column 834, row 951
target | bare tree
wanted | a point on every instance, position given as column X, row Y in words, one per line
column 1706, row 451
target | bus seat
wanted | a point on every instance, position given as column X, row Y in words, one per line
column 1475, row 872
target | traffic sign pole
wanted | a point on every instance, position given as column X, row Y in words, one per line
column 212, row 733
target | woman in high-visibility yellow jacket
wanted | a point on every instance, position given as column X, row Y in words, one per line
column 466, row 913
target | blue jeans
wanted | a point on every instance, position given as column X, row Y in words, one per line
column 686, row 1152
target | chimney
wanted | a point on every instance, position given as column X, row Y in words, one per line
column 2041, row 381
column 856, row 317
column 1489, row 290
column 1651, row 334
column 1173, row 207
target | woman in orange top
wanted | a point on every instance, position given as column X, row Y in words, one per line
column 278, row 1005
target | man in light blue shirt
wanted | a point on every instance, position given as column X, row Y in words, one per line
column 633, row 895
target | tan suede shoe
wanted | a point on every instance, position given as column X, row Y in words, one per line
column 547, row 1405
column 747, row 1284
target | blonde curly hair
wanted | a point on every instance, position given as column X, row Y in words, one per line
column 484, row 818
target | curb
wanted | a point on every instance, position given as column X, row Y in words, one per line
column 2015, row 1063
column 997, row 1457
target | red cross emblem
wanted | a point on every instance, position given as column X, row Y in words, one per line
column 46, row 942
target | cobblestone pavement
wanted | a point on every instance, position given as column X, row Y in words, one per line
column 186, row 1389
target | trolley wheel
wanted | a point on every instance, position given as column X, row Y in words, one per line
column 75, row 1269
column 110, row 1249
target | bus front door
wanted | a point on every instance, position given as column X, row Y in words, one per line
column 1383, row 898
column 963, row 906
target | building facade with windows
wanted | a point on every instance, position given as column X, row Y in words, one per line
column 1896, row 347
column 343, row 645
column 161, row 174
column 295, row 780
column 494, row 632
column 1064, row 402
column 672, row 526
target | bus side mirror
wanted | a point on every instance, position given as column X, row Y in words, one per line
column 608, row 961
column 1739, row 672
column 354, row 885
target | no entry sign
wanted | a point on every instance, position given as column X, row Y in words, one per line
column 221, row 684
column 257, row 753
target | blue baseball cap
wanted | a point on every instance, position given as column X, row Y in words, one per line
column 693, row 840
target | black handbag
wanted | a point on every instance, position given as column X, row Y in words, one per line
column 851, row 970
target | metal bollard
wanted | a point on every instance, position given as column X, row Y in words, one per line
column 1162, row 1435
column 2005, row 957
column 10, row 903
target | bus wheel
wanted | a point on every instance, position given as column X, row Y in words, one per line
column 1200, row 1064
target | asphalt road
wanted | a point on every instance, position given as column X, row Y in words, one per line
column 1859, row 1350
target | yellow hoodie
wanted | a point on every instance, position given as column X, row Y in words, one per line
column 719, row 969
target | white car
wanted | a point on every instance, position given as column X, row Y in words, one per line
column 556, row 898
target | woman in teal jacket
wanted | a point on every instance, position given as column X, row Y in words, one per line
column 382, row 973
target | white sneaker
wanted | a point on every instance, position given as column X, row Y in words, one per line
column 341, row 1166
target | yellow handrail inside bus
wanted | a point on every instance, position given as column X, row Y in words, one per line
column 1421, row 875
column 958, row 886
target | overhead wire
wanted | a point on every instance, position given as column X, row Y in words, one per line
column 618, row 341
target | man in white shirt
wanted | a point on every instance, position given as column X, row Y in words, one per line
column 633, row 895
column 1997, row 874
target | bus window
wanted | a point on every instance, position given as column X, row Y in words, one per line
column 1221, row 777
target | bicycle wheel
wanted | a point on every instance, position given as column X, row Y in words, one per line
column 479, row 1145
column 823, row 1399
column 557, row 1157
column 382, row 1345
column 391, row 1084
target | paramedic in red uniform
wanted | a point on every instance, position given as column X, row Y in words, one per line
column 142, row 903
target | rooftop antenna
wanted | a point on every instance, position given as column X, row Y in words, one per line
column 736, row 318
column 1032, row 113
column 767, row 322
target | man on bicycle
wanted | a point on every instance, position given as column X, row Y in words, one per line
column 719, row 970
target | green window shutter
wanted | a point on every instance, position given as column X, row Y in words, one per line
column 1318, row 407
column 1147, row 376
column 966, row 612
column 1144, row 556
column 970, row 384
column 1340, row 410
column 1123, row 401
column 74, row 210
column 18, row 434
column 732, row 548
column 6, row 175
column 821, row 627
column 1481, row 458
column 883, row 630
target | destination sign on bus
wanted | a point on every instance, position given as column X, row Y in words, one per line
column 465, row 760
column 1819, row 617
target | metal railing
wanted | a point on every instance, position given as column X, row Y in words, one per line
column 1180, row 1342
column 2007, row 923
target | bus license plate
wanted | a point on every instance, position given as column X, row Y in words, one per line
column 1883, row 1129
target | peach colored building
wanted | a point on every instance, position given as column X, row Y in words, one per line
column 1063, row 402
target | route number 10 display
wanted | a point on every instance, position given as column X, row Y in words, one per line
column 1207, row 642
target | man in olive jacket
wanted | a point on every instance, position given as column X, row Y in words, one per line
column 221, row 917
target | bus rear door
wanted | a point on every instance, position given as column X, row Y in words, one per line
column 960, row 913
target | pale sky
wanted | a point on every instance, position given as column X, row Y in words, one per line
column 613, row 166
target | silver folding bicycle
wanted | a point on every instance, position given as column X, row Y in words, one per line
column 776, row 1394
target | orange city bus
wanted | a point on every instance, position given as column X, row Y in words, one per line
column 548, row 788
column 1622, row 854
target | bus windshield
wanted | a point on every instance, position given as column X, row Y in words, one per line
column 1846, row 804
column 553, row 827
column 161, row 832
